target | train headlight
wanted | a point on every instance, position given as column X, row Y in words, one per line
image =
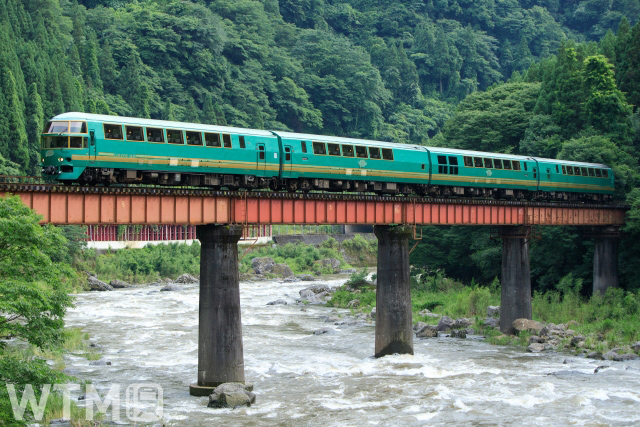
column 60, row 159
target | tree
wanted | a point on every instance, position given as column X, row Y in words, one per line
column 13, row 145
column 33, row 286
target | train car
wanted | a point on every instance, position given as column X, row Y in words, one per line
column 91, row 149
column 97, row 149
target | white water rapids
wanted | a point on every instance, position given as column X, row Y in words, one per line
column 332, row 379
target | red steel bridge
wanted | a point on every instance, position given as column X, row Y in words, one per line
column 65, row 205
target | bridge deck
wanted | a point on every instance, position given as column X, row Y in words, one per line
column 152, row 205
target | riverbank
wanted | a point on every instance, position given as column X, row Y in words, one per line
column 605, row 326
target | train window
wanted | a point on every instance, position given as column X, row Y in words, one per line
column 453, row 165
column 134, row 133
column 194, row 138
column 423, row 166
column 361, row 151
column 261, row 152
column 585, row 172
column 287, row 155
column 557, row 170
column 497, row 163
column 241, row 140
column 319, row 148
column 112, row 131
column 599, row 173
column 174, row 136
column 387, row 153
column 576, row 170
column 303, row 145
column 226, row 140
column 347, row 150
column 525, row 166
column 374, row 152
column 155, row 135
column 55, row 141
column 605, row 173
column 488, row 163
column 516, row 165
column 592, row 172
column 468, row 161
column 334, row 149
column 56, row 127
column 77, row 127
column 212, row 140
column 76, row 142
column 442, row 165
column 477, row 161
column 569, row 170
column 564, row 170
column 507, row 164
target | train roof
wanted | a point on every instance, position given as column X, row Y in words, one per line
column 306, row 137
column 159, row 123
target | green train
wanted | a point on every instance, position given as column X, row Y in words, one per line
column 92, row 149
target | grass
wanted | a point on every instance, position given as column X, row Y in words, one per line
column 606, row 321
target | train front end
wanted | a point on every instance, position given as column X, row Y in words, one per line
column 64, row 149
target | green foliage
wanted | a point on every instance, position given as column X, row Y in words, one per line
column 357, row 280
column 33, row 286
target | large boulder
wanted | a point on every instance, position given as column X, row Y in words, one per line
column 262, row 265
column 527, row 325
column 277, row 302
column 119, row 284
column 331, row 263
column 186, row 279
column 427, row 331
column 636, row 347
column 282, row 270
column 171, row 287
column 306, row 277
column 535, row 348
column 97, row 285
column 232, row 395
column 444, row 324
column 492, row 322
column 493, row 311
column 461, row 323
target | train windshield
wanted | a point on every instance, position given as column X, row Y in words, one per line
column 55, row 141
column 66, row 127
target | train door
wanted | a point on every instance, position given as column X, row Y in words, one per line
column 92, row 145
column 261, row 158
column 288, row 152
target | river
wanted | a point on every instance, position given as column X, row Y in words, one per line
column 332, row 379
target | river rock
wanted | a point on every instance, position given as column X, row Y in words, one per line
column 232, row 395
column 101, row 362
column 97, row 285
column 445, row 323
column 535, row 348
column 625, row 357
column 119, row 284
column 171, row 287
column 282, row 270
column 331, row 263
column 595, row 355
column 418, row 326
column 373, row 313
column 306, row 277
column 533, row 339
column 527, row 325
column 186, row 279
column 427, row 313
column 60, row 422
column 427, row 331
column 636, row 347
column 493, row 311
column 492, row 322
column 458, row 333
column 461, row 323
column 277, row 302
column 576, row 340
column 354, row 303
column 262, row 265
column 323, row 331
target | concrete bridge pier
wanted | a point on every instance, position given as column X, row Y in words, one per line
column 516, row 277
column 393, row 299
column 605, row 258
column 220, row 354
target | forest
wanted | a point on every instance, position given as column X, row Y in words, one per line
column 546, row 78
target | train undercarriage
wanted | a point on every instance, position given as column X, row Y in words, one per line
column 108, row 176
